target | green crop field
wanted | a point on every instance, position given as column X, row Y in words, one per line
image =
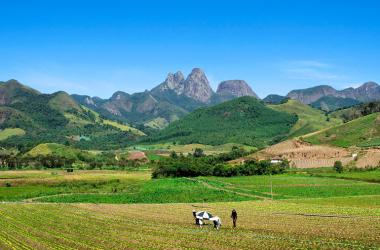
column 261, row 225
column 370, row 176
column 101, row 209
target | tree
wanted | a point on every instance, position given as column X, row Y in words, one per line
column 338, row 166
column 198, row 152
column 173, row 155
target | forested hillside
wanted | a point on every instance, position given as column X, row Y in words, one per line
column 332, row 103
column 244, row 120
column 28, row 118
column 357, row 111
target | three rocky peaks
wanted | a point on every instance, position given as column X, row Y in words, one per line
column 197, row 86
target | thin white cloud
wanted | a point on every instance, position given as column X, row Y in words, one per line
column 309, row 64
column 103, row 83
column 52, row 83
column 312, row 74
column 311, row 70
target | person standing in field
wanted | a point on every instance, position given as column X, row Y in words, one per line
column 195, row 217
column 234, row 217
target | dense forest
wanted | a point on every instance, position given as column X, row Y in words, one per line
column 198, row 164
column 244, row 120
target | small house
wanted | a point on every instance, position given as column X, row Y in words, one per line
column 275, row 160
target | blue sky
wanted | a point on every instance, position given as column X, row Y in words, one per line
column 99, row 47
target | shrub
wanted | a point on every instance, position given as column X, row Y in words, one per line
column 338, row 166
column 198, row 152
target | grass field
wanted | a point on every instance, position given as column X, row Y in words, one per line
column 105, row 187
column 137, row 187
column 309, row 119
column 370, row 176
column 54, row 149
column 360, row 132
column 8, row 132
column 123, row 127
column 312, row 209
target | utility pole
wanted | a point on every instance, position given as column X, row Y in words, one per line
column 271, row 186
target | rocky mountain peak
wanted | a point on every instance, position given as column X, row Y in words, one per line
column 197, row 72
column 119, row 95
column 13, row 81
column 369, row 91
column 369, row 85
column 178, row 77
column 310, row 95
column 197, row 86
column 236, row 88
column 173, row 82
column 89, row 101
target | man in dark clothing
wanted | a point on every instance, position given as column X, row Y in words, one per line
column 234, row 217
column 195, row 217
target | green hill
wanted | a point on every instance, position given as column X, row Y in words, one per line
column 9, row 132
column 309, row 119
column 63, row 102
column 332, row 103
column 56, row 150
column 275, row 99
column 357, row 111
column 362, row 132
column 141, row 108
column 244, row 120
column 13, row 92
column 55, row 118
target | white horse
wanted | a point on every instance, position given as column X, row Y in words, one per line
column 217, row 222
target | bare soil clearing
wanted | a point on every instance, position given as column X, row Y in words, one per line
column 305, row 155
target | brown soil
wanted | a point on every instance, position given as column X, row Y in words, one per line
column 136, row 155
column 303, row 155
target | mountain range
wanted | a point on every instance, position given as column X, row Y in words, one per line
column 28, row 117
column 178, row 95
column 172, row 99
column 369, row 91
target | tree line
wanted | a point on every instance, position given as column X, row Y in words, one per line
column 103, row 160
column 198, row 164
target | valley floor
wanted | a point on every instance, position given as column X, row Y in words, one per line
column 261, row 225
column 316, row 209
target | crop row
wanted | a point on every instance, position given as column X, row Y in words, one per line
column 261, row 225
